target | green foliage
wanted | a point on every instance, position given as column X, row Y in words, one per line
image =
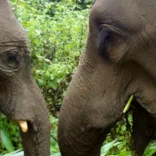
column 5, row 137
column 9, row 135
column 56, row 43
column 151, row 149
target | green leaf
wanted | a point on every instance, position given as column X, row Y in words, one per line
column 150, row 150
column 6, row 141
column 125, row 153
column 57, row 154
column 53, row 84
column 14, row 1
column 21, row 153
column 15, row 153
column 41, row 82
column 108, row 146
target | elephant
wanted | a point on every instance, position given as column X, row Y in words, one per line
column 20, row 98
column 118, row 61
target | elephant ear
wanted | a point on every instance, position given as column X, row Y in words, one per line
column 111, row 45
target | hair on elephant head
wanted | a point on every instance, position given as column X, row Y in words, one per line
column 20, row 98
column 119, row 60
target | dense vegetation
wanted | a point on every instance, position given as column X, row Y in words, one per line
column 57, row 30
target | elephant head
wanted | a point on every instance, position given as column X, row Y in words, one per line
column 20, row 98
column 119, row 60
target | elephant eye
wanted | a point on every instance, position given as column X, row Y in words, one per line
column 105, row 41
column 13, row 59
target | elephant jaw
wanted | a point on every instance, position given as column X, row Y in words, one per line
column 23, row 126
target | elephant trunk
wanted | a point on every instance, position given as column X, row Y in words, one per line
column 30, row 111
column 36, row 141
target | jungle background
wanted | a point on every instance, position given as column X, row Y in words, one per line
column 57, row 31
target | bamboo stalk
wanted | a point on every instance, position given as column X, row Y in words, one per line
column 128, row 104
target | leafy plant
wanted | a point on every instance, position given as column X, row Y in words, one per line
column 56, row 43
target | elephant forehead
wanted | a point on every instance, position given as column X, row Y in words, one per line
column 11, row 31
column 135, row 14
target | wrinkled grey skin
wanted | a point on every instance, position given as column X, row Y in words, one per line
column 20, row 98
column 119, row 60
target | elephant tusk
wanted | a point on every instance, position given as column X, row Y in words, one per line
column 128, row 104
column 23, row 125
